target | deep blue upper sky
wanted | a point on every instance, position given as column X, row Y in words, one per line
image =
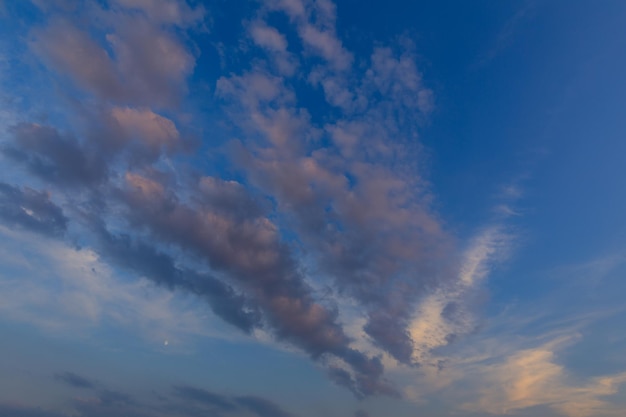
column 303, row 208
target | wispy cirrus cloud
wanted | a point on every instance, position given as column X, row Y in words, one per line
column 533, row 377
column 521, row 360
column 448, row 313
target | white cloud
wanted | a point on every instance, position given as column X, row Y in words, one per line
column 517, row 362
column 533, row 377
column 445, row 314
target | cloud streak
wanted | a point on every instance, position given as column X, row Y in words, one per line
column 74, row 380
column 533, row 377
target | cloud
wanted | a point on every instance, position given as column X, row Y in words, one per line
column 61, row 289
column 358, row 205
column 156, row 131
column 73, row 380
column 204, row 397
column 153, row 63
column 149, row 262
column 275, row 43
column 92, row 407
column 249, row 250
column 317, row 35
column 109, row 398
column 108, row 402
column 188, row 401
column 449, row 312
column 72, row 52
column 10, row 410
column 532, row 377
column 447, row 319
column 51, row 5
column 521, row 360
column 54, row 157
column 262, row 407
column 319, row 228
column 397, row 77
column 165, row 11
column 268, row 37
column 31, row 210
column 121, row 136
column 327, row 45
column 329, row 194
column 504, row 37
column 142, row 63
column 260, row 281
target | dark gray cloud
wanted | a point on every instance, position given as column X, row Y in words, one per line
column 133, row 254
column 9, row 410
column 74, row 380
column 112, row 138
column 31, row 210
column 223, row 224
column 109, row 398
column 367, row 378
column 187, row 401
column 95, row 408
column 361, row 413
column 262, row 407
column 257, row 405
column 91, row 408
column 54, row 157
column 250, row 251
column 204, row 397
column 382, row 325
column 226, row 227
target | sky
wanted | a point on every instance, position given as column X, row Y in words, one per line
column 304, row 208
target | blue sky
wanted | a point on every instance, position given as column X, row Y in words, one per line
column 301, row 208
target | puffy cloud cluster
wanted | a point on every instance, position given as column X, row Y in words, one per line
column 142, row 60
column 350, row 185
column 331, row 193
